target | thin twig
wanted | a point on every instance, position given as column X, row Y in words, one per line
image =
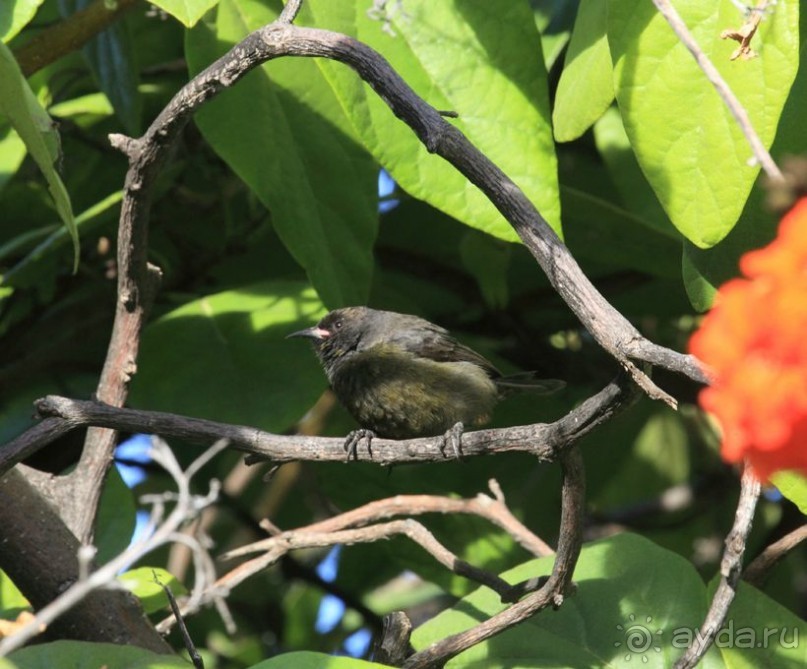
column 187, row 506
column 339, row 529
column 730, row 570
column 196, row 659
column 757, row 571
column 290, row 11
column 492, row 509
column 278, row 546
column 723, row 90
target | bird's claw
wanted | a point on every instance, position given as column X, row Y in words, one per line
column 352, row 443
column 453, row 438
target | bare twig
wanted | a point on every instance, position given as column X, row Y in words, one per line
column 196, row 659
column 757, row 571
column 493, row 509
column 278, row 546
column 30, row 441
column 290, row 11
column 730, row 570
column 723, row 90
column 187, row 506
column 361, row 525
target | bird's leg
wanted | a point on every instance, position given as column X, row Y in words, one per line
column 352, row 443
column 453, row 438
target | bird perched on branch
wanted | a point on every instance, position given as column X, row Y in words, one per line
column 403, row 377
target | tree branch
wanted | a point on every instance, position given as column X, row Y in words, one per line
column 69, row 35
column 545, row 441
column 44, row 562
column 756, row 572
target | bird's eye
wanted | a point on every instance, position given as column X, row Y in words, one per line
column 337, row 325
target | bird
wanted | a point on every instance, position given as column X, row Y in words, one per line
column 402, row 377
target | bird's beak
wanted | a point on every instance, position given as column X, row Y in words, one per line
column 314, row 332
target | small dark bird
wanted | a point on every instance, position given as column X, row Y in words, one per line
column 403, row 377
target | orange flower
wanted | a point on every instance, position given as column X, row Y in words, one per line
column 754, row 343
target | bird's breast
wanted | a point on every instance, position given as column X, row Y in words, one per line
column 400, row 396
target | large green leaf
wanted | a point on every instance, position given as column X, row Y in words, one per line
column 636, row 604
column 285, row 133
column 689, row 146
column 479, row 59
column 225, row 357
column 706, row 269
column 34, row 127
column 87, row 655
column 586, row 86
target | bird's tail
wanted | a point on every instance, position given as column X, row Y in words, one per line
column 528, row 382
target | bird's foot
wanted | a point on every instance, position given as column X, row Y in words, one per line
column 352, row 443
column 453, row 438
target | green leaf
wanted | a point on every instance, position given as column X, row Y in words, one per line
column 308, row 660
column 700, row 290
column 614, row 147
column 12, row 153
column 228, row 358
column 286, row 134
column 688, row 144
column 34, row 127
column 487, row 260
column 636, row 604
column 758, row 632
column 111, row 59
column 477, row 58
column 188, row 12
column 586, row 86
column 617, row 592
column 11, row 599
column 15, row 15
column 146, row 583
column 87, row 655
column 793, row 486
column 599, row 230
column 116, row 518
column 708, row 269
column 26, row 271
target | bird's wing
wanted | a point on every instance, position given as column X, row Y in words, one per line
column 434, row 343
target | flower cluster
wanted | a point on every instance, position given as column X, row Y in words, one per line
column 754, row 345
